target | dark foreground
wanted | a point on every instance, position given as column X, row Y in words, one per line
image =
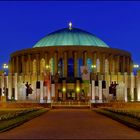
column 71, row 124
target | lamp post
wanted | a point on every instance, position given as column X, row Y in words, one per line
column 93, row 67
column 5, row 67
column 136, row 68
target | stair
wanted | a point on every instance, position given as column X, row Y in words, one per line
column 70, row 105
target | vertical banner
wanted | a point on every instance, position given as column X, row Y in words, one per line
column 85, row 74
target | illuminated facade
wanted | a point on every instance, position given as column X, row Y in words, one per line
column 63, row 53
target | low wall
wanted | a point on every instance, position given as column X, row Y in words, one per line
column 24, row 105
column 117, row 105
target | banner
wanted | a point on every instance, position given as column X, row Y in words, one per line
column 85, row 73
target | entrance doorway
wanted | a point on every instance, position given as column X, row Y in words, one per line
column 70, row 94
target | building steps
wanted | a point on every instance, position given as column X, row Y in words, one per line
column 70, row 105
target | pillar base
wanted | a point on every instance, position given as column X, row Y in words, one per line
column 49, row 101
column 3, row 98
column 42, row 101
column 126, row 100
column 9, row 98
column 99, row 101
column 92, row 101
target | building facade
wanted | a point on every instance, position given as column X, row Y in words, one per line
column 56, row 60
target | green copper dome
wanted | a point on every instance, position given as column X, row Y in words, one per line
column 70, row 37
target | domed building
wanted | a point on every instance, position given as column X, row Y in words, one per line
column 64, row 53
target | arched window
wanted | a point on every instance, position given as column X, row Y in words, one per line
column 89, row 63
column 80, row 63
column 70, row 67
column 60, row 67
column 42, row 65
column 34, row 66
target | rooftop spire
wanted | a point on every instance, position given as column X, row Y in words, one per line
column 70, row 25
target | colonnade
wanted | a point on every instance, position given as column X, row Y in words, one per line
column 102, row 62
column 128, row 86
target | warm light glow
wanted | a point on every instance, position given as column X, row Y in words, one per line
column 47, row 66
column 5, row 66
column 64, row 89
column 77, row 89
column 70, row 25
column 93, row 66
column 135, row 66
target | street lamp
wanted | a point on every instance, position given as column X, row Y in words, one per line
column 135, row 68
column 5, row 67
column 93, row 67
column 92, row 71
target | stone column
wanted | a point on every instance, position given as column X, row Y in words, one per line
column 23, row 64
column 75, row 65
column 117, row 69
column 15, row 86
column 49, row 93
column 128, row 65
column 38, row 65
column 113, row 65
column 2, row 85
column 64, row 89
column 53, row 90
column 45, row 92
column 132, row 86
column 10, row 86
column 65, row 64
column 29, row 63
column 77, row 89
column 125, row 86
column 123, row 64
column 103, row 63
column 110, row 63
column 93, row 92
column 17, row 64
column 84, row 58
column 106, row 67
column 10, row 66
column 94, row 62
column 55, row 63
column 138, row 86
column 100, row 91
column 131, row 66
column 41, row 92
column 13, row 65
column 98, row 63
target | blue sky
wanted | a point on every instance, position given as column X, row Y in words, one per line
column 23, row 23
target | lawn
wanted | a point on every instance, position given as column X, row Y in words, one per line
column 10, row 118
column 127, row 116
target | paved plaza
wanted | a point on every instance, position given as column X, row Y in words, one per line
column 71, row 124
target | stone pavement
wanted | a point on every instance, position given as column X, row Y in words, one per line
column 71, row 124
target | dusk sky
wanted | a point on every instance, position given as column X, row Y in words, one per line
column 22, row 24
